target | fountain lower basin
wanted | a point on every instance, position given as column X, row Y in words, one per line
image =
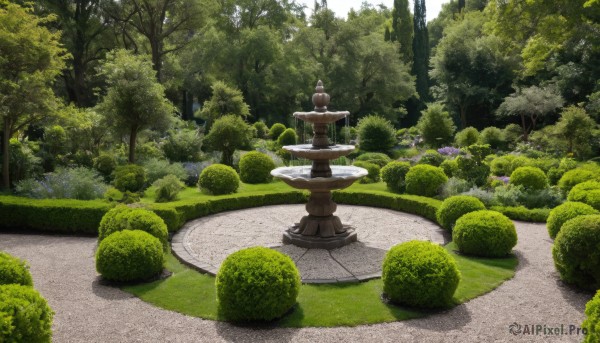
column 299, row 177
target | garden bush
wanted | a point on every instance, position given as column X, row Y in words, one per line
column 574, row 177
column 455, row 186
column 157, row 169
column 183, row 145
column 485, row 196
column 193, row 171
column 377, row 158
column 580, row 191
column 262, row 131
column 470, row 169
column 565, row 212
column 124, row 218
column 494, row 137
column 536, row 215
column 531, row 178
column 24, row 315
column 436, row 126
column 74, row 183
column 420, row 274
column 375, row 133
column 455, row 207
column 467, row 137
column 255, row 167
column 14, row 270
column 287, row 137
column 425, row 180
column 592, row 322
column 576, row 254
column 485, row 233
column 450, row 167
column 276, row 130
column 105, row 164
column 393, row 175
column 219, row 179
column 129, row 255
column 256, row 284
column 167, row 188
column 431, row 157
column 130, row 178
column 502, row 165
column 373, row 170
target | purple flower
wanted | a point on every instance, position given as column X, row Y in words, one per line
column 449, row 151
column 504, row 179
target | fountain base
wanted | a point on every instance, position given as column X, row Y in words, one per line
column 319, row 233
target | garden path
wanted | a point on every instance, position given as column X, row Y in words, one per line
column 86, row 311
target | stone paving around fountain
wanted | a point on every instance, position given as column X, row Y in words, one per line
column 205, row 242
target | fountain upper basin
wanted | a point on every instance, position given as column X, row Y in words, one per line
column 321, row 117
column 299, row 177
column 311, row 153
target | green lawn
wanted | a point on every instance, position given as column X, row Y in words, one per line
column 193, row 293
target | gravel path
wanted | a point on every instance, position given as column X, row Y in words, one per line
column 63, row 271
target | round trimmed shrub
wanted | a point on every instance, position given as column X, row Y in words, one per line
column 393, row 175
column 455, row 207
column 450, row 167
column 565, row 212
column 574, row 177
column 431, row 157
column 287, row 137
column 167, row 188
column 125, row 218
column 592, row 323
column 531, row 178
column 467, row 136
column 493, row 136
column 375, row 133
column 105, row 164
column 257, row 284
column 421, row 274
column 219, row 179
column 576, row 254
column 24, row 315
column 129, row 255
column 373, row 170
column 14, row 270
column 130, row 178
column 580, row 191
column 261, row 129
column 377, row 158
column 255, row 167
column 484, row 233
column 276, row 130
column 425, row 180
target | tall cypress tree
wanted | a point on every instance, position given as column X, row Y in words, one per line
column 402, row 27
column 421, row 51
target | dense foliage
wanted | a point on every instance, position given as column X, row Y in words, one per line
column 257, row 284
column 455, row 207
column 14, row 270
column 372, row 169
column 592, row 321
column 26, row 316
column 420, row 274
column 485, row 233
column 529, row 177
column 393, row 174
column 375, row 133
column 130, row 255
column 424, row 180
column 219, row 179
column 255, row 167
column 565, row 212
column 576, row 254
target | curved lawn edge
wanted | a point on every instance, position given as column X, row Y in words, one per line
column 322, row 305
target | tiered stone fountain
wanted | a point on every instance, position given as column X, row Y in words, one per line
column 320, row 229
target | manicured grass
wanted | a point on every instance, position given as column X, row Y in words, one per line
column 193, row 293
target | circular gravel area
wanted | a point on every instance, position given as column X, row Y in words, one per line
column 64, row 272
column 205, row 242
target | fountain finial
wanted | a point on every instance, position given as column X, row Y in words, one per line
column 320, row 99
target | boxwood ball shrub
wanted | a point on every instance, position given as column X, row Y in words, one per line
column 276, row 130
column 576, row 254
column 592, row 322
column 420, row 274
column 450, row 167
column 580, row 191
column 574, row 177
column 531, row 178
column 375, row 133
column 425, row 180
column 287, row 137
column 565, row 212
column 134, row 219
column 455, row 207
column 431, row 157
column 484, row 233
column 255, row 167
column 24, row 315
column 14, row 270
column 130, row 178
column 129, row 255
column 373, row 170
column 257, row 284
column 393, row 175
column 378, row 158
column 219, row 179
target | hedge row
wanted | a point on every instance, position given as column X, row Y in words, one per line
column 52, row 215
column 536, row 215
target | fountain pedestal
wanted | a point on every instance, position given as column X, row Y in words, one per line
column 320, row 229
